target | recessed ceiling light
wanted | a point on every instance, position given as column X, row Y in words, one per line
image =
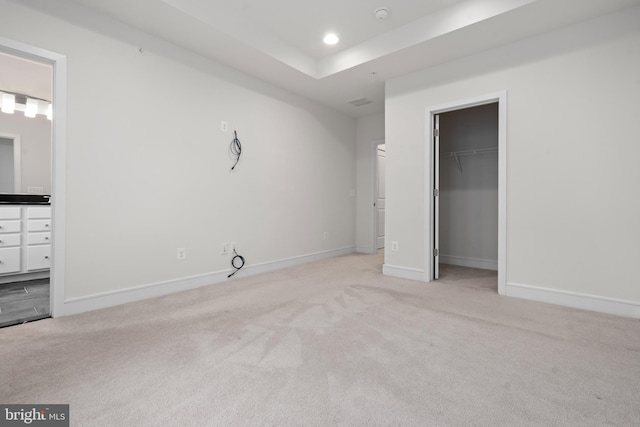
column 331, row 38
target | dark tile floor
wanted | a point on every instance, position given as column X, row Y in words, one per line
column 22, row 302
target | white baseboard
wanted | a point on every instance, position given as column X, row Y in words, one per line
column 265, row 267
column 575, row 300
column 152, row 290
column 138, row 293
column 366, row 250
column 403, row 272
column 484, row 264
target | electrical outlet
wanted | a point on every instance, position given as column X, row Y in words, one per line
column 181, row 253
column 394, row 246
column 224, row 126
column 325, row 235
column 224, row 249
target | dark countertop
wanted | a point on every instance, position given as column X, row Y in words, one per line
column 24, row 199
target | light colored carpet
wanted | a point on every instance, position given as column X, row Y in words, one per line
column 331, row 343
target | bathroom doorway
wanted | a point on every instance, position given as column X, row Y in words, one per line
column 43, row 226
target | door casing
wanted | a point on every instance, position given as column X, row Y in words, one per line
column 58, row 63
column 436, row 197
column 431, row 162
column 380, row 206
column 374, row 195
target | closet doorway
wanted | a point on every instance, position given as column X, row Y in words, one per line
column 467, row 220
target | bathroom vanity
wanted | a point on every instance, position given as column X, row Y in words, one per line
column 25, row 240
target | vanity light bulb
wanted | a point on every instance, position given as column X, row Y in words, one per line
column 32, row 108
column 8, row 103
column 49, row 111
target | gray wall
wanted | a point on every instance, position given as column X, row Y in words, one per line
column 469, row 190
column 369, row 128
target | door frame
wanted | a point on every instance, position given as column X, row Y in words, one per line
column 58, row 63
column 17, row 159
column 374, row 194
column 435, row 260
column 430, row 163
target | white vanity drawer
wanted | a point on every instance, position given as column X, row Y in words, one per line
column 38, row 238
column 9, row 240
column 38, row 257
column 39, row 225
column 9, row 260
column 10, row 226
column 9, row 213
column 37, row 213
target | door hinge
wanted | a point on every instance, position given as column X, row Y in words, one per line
column 435, row 251
column 436, row 192
column 436, row 132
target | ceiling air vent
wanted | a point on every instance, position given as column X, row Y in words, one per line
column 359, row 102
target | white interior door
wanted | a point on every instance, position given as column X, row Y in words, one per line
column 380, row 196
column 436, row 196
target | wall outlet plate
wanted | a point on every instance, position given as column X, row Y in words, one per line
column 224, row 248
column 181, row 253
column 395, row 246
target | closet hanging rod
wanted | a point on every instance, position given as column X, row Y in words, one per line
column 469, row 152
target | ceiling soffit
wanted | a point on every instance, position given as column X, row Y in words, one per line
column 231, row 21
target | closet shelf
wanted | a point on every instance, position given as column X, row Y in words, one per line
column 469, row 152
column 457, row 154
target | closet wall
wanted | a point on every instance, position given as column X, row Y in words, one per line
column 469, row 187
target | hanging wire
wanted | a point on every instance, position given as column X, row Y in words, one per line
column 233, row 263
column 236, row 148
